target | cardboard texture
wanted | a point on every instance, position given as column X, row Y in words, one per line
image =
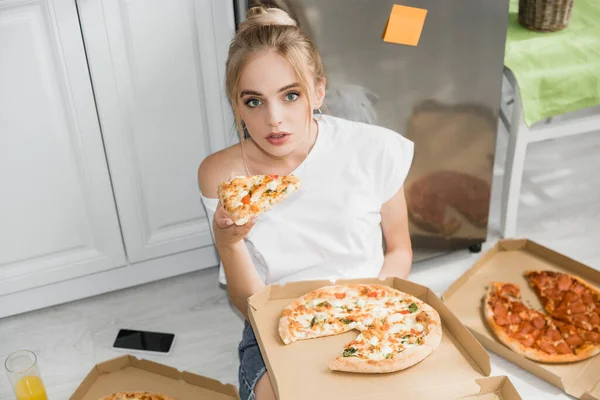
column 495, row 388
column 507, row 261
column 593, row 394
column 128, row 373
column 300, row 370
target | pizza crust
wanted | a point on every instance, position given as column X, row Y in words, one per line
column 406, row 359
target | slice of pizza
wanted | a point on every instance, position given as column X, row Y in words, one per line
column 394, row 343
column 245, row 197
column 530, row 333
column 136, row 396
column 567, row 298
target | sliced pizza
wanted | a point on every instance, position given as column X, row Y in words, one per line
column 530, row 333
column 245, row 197
column 567, row 298
column 397, row 330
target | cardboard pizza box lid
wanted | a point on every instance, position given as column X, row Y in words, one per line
column 128, row 373
column 507, row 261
column 300, row 370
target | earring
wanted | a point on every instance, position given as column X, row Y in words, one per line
column 245, row 133
column 320, row 113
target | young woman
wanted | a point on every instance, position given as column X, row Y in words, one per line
column 349, row 218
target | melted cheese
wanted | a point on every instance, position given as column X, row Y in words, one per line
column 305, row 319
column 395, row 318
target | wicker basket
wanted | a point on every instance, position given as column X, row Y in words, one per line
column 545, row 15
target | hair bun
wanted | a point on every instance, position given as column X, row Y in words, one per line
column 260, row 16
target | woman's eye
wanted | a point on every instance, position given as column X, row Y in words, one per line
column 292, row 96
column 252, row 103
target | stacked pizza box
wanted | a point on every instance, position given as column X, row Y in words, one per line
column 538, row 309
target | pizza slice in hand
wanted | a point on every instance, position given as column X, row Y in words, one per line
column 246, row 197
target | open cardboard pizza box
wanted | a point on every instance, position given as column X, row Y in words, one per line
column 128, row 373
column 507, row 261
column 300, row 370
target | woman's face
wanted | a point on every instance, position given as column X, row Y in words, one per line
column 271, row 105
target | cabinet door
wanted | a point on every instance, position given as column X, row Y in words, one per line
column 57, row 213
column 157, row 69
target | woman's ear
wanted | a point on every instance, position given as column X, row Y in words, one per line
column 320, row 93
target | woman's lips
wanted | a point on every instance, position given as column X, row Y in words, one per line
column 278, row 138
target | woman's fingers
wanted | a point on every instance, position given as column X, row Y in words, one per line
column 222, row 220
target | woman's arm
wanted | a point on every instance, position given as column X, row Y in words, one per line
column 242, row 278
column 398, row 249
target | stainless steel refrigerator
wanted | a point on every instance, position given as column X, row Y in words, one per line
column 443, row 94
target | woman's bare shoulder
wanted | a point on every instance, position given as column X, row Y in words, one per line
column 217, row 168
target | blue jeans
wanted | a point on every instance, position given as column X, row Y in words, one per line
column 252, row 365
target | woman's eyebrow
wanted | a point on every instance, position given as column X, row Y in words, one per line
column 255, row 93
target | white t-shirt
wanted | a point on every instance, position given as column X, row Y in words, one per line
column 330, row 228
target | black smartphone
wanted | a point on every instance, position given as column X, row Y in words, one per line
column 144, row 341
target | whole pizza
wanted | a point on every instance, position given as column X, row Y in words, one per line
column 568, row 331
column 397, row 330
column 136, row 396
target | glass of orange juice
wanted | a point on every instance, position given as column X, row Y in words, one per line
column 24, row 375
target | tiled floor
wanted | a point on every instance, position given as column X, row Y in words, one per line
column 560, row 208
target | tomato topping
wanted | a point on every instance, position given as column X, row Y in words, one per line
column 340, row 296
column 246, row 199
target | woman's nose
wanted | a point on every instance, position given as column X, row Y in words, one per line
column 275, row 116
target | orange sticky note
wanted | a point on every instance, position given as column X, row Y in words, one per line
column 404, row 25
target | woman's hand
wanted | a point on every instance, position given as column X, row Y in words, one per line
column 227, row 234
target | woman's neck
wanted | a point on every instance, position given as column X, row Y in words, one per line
column 260, row 162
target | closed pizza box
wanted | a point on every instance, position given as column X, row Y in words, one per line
column 495, row 388
column 300, row 370
column 507, row 261
column 128, row 373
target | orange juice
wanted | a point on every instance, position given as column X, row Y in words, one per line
column 30, row 388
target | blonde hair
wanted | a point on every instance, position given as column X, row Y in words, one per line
column 271, row 29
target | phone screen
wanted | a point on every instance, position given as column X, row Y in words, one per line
column 144, row 340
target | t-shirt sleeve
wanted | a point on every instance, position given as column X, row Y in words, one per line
column 396, row 160
column 210, row 205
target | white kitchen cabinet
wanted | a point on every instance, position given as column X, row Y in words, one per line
column 107, row 107
column 57, row 214
column 157, row 68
